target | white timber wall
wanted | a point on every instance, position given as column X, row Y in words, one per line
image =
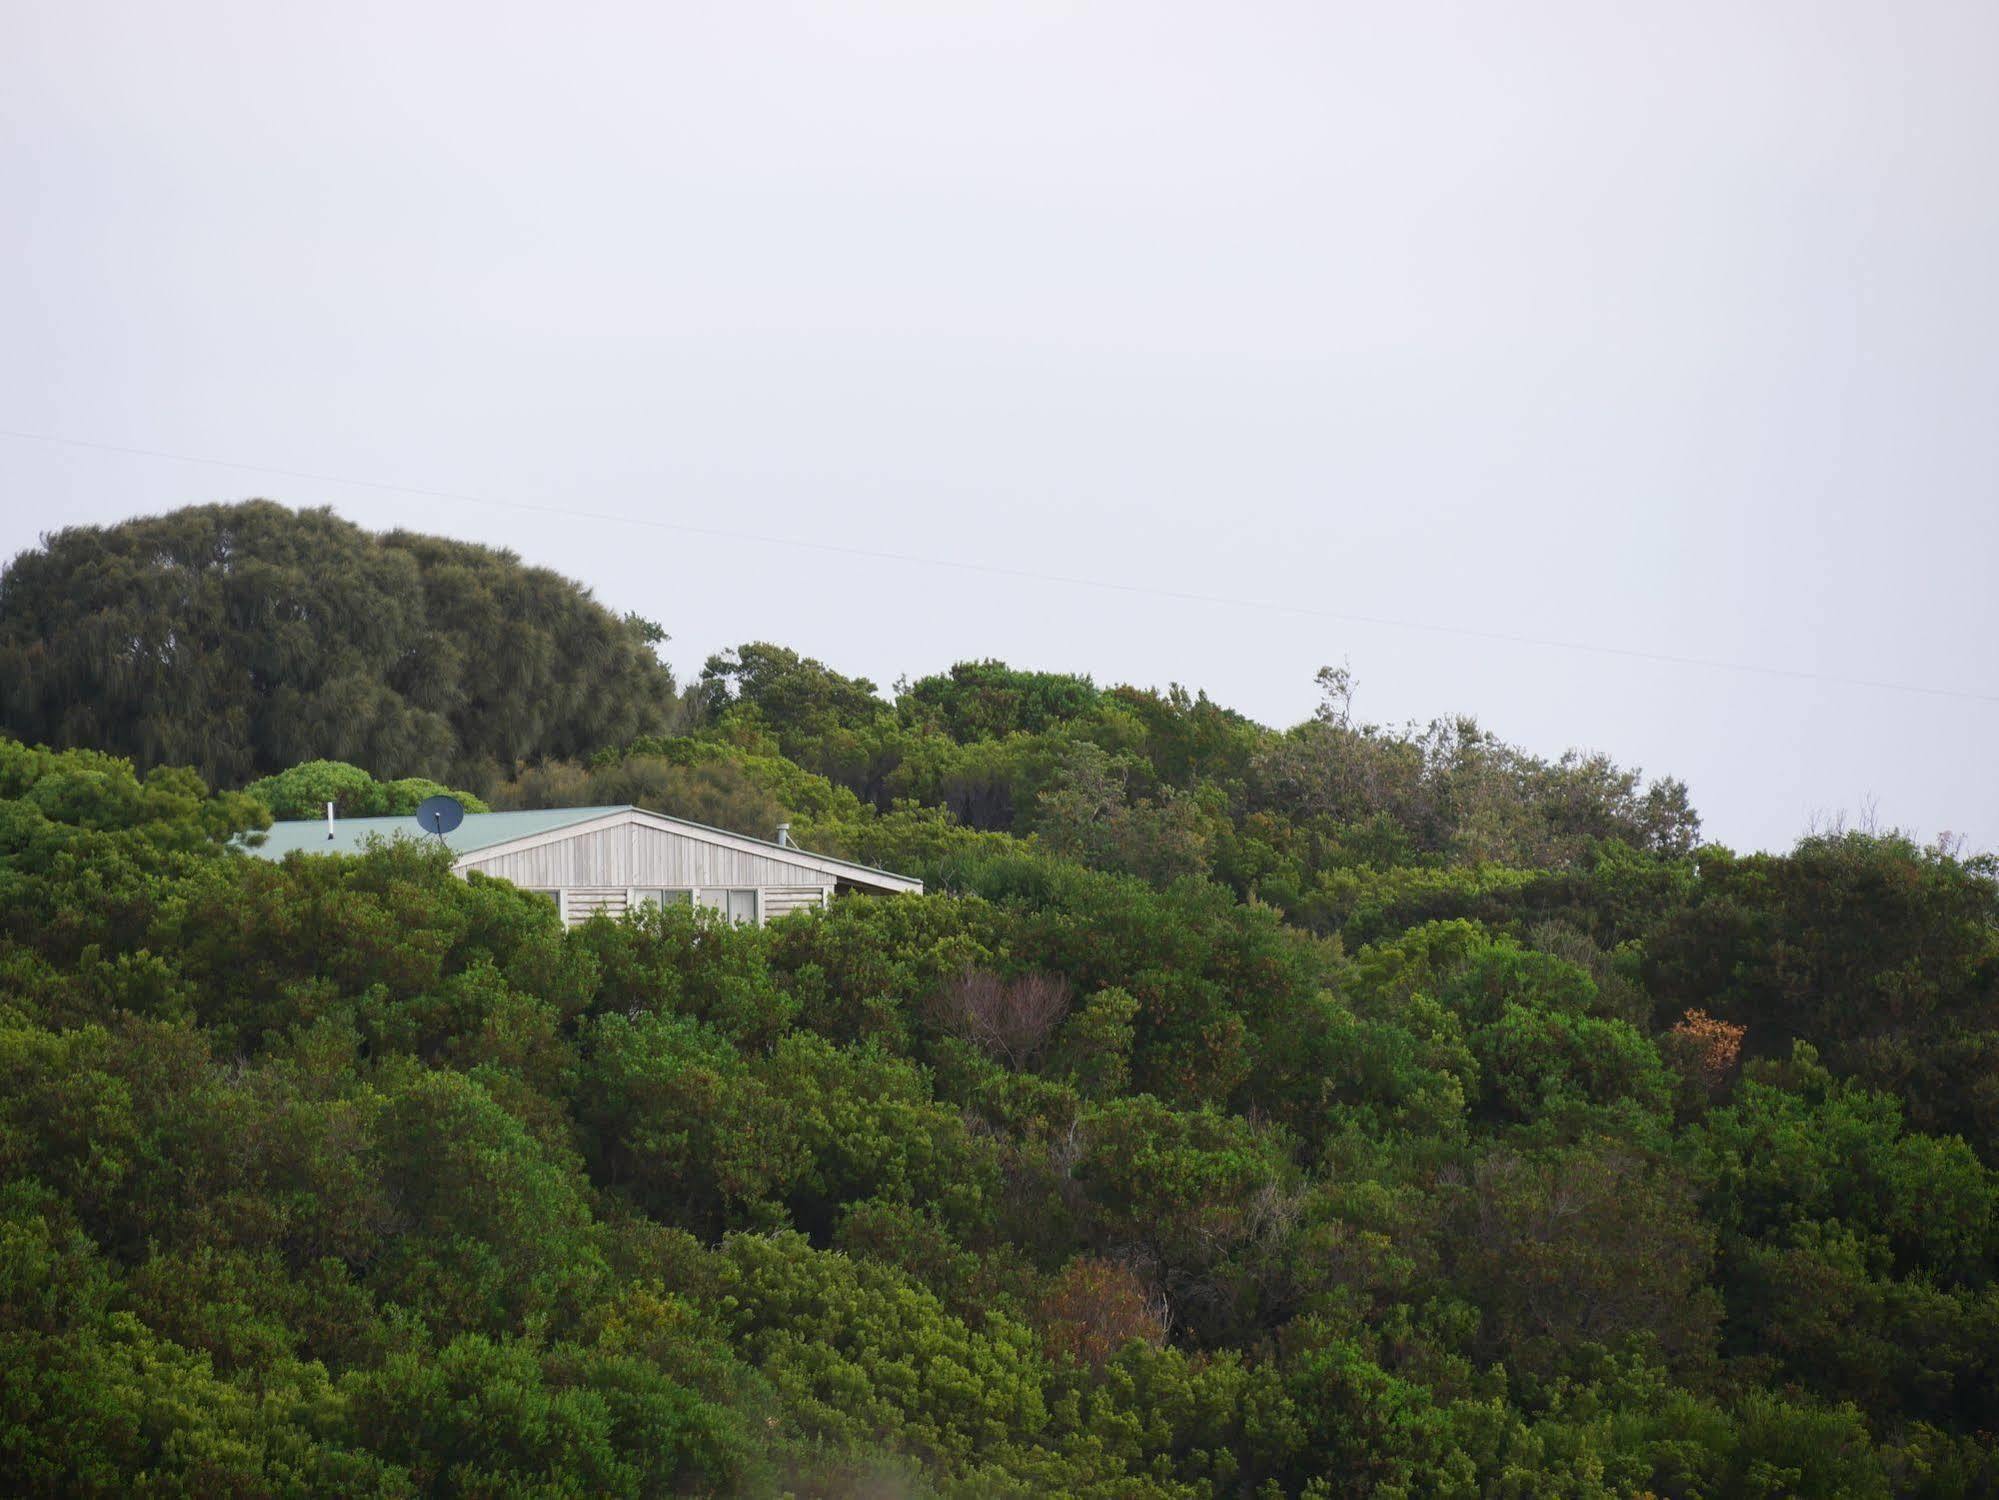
column 640, row 857
column 581, row 906
column 781, row 901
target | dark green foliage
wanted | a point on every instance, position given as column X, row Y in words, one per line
column 484, row 1416
column 303, row 792
column 988, row 700
column 713, row 789
column 244, row 639
column 1332, row 821
column 1861, row 1255
column 1590, row 1247
column 1883, row 955
column 1241, row 1114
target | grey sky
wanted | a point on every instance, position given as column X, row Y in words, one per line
column 1669, row 328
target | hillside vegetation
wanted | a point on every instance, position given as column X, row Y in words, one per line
column 1323, row 1112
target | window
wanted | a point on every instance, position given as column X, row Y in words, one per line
column 738, row 906
column 664, row 898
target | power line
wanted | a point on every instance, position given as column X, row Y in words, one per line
column 998, row 570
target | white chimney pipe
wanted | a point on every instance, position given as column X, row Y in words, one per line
column 329, row 820
column 784, row 835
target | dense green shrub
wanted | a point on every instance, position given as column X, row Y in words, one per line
column 1343, row 1145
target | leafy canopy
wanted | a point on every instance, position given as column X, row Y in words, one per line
column 245, row 639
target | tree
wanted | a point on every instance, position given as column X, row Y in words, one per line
column 245, row 639
column 796, row 695
column 1009, row 1019
column 1593, row 1245
column 303, row 792
column 1085, row 813
column 979, row 700
column 1093, row 1308
column 1882, row 955
column 718, row 791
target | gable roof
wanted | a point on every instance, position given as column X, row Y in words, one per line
column 478, row 831
column 487, row 832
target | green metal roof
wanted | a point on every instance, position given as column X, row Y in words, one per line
column 478, row 831
column 483, row 830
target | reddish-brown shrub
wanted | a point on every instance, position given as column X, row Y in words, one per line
column 1008, row 1019
column 1093, row 1308
column 1704, row 1047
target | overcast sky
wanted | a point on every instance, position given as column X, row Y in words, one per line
column 1672, row 329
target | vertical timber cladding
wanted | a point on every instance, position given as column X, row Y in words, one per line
column 631, row 854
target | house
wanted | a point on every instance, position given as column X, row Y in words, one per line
column 614, row 859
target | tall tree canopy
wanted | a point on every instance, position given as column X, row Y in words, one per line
column 244, row 639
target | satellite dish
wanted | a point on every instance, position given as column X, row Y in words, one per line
column 439, row 815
